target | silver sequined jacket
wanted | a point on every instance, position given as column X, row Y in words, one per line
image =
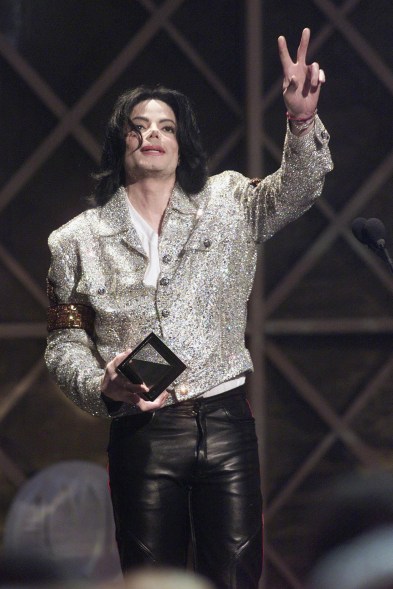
column 208, row 249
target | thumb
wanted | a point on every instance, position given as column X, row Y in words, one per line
column 122, row 356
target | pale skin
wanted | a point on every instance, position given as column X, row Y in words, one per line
column 150, row 172
column 301, row 82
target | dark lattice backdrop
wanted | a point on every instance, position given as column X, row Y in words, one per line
column 322, row 310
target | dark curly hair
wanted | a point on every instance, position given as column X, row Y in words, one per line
column 191, row 173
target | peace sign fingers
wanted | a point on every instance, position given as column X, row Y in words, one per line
column 303, row 46
column 283, row 52
column 301, row 82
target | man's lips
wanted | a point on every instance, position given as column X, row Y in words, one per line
column 153, row 149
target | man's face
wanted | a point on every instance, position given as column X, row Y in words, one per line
column 158, row 155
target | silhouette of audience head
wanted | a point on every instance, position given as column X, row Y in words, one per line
column 64, row 514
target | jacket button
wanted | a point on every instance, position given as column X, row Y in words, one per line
column 207, row 243
column 166, row 258
column 101, row 290
column 324, row 134
column 164, row 281
column 165, row 313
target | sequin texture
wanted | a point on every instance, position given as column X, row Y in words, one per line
column 208, row 248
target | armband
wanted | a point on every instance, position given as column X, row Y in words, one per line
column 68, row 315
column 71, row 316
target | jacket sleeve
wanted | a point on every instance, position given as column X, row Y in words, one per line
column 282, row 197
column 71, row 355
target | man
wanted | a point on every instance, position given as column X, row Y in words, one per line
column 168, row 250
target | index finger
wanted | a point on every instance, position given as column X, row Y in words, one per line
column 283, row 52
column 303, row 45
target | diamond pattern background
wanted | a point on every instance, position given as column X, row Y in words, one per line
column 322, row 307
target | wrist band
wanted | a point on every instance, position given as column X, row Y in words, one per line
column 293, row 118
column 301, row 124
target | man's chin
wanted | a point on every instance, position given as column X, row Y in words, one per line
column 152, row 172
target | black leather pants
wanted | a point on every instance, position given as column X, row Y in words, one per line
column 190, row 471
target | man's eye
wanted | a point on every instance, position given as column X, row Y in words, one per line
column 139, row 127
column 169, row 129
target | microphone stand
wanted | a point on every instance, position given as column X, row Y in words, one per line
column 386, row 255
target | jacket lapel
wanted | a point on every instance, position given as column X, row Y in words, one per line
column 180, row 220
column 115, row 220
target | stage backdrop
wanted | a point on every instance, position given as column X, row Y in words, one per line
column 321, row 329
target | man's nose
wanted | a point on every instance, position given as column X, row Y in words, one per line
column 153, row 131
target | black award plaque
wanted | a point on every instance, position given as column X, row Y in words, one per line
column 153, row 363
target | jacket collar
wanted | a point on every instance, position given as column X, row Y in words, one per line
column 182, row 203
column 115, row 219
column 115, row 216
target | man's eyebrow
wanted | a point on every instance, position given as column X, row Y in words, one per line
column 142, row 118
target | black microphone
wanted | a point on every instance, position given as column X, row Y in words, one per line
column 375, row 232
column 372, row 232
column 364, row 236
column 357, row 229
